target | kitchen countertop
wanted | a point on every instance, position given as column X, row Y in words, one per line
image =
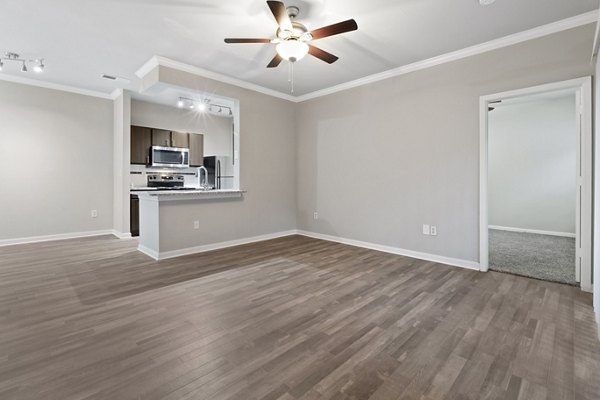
column 200, row 194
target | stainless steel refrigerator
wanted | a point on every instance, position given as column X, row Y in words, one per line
column 220, row 171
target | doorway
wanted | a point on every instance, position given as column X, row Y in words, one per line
column 535, row 182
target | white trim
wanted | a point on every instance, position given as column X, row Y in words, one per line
column 60, row 236
column 473, row 265
column 535, row 33
column 54, row 86
column 122, row 235
column 596, row 41
column 148, row 252
column 116, row 93
column 161, row 196
column 544, row 30
column 536, row 231
column 169, row 63
column 582, row 85
column 147, row 67
column 213, row 246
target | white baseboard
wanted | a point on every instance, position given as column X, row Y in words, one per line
column 523, row 230
column 473, row 265
column 148, row 252
column 213, row 246
column 122, row 235
column 60, row 236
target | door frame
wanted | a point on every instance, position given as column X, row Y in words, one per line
column 583, row 87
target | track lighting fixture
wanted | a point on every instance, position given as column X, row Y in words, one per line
column 39, row 67
column 38, row 62
column 204, row 105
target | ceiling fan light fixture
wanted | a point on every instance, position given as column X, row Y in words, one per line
column 292, row 50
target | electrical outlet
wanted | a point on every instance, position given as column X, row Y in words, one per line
column 433, row 230
column 196, row 224
column 315, row 215
column 426, row 230
column 94, row 213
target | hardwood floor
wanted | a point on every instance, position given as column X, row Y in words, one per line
column 291, row 318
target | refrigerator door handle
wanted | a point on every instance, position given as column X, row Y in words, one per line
column 218, row 175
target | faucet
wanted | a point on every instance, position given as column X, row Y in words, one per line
column 203, row 184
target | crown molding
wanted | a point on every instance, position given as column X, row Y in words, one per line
column 544, row 30
column 54, row 86
column 596, row 44
column 169, row 63
column 116, row 93
column 535, row 33
column 147, row 67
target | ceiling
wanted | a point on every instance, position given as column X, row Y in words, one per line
column 82, row 39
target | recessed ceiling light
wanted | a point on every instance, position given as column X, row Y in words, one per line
column 486, row 2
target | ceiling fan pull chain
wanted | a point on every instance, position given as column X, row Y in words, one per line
column 292, row 76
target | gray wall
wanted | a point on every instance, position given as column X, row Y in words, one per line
column 56, row 160
column 267, row 168
column 379, row 160
column 533, row 165
column 217, row 130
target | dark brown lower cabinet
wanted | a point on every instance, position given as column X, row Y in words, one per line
column 134, row 215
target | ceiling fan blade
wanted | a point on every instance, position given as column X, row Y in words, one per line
column 281, row 15
column 275, row 61
column 335, row 29
column 322, row 54
column 247, row 40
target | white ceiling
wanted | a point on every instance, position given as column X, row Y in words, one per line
column 82, row 39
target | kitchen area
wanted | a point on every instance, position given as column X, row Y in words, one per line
column 185, row 151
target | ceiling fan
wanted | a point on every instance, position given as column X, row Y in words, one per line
column 292, row 37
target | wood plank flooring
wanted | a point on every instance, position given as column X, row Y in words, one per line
column 292, row 318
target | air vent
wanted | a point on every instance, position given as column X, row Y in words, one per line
column 115, row 78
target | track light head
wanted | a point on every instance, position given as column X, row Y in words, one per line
column 1, row 65
column 180, row 103
column 24, row 67
column 39, row 67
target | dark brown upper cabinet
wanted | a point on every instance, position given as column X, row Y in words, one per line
column 141, row 141
column 196, row 149
column 143, row 138
column 179, row 139
column 161, row 137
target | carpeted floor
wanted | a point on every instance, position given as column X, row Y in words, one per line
column 550, row 258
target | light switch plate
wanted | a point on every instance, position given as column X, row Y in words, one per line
column 433, row 230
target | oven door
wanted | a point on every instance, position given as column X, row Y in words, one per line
column 170, row 157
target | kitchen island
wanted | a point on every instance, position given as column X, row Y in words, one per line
column 174, row 223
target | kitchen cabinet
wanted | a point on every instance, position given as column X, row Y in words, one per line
column 161, row 137
column 179, row 139
column 165, row 138
column 141, row 140
column 134, row 215
column 196, row 142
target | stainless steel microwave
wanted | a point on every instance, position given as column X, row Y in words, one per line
column 169, row 157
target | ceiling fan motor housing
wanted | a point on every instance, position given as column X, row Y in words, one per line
column 298, row 31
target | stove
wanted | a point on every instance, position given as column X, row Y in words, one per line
column 166, row 181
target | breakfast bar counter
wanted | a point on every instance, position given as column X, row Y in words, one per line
column 172, row 220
